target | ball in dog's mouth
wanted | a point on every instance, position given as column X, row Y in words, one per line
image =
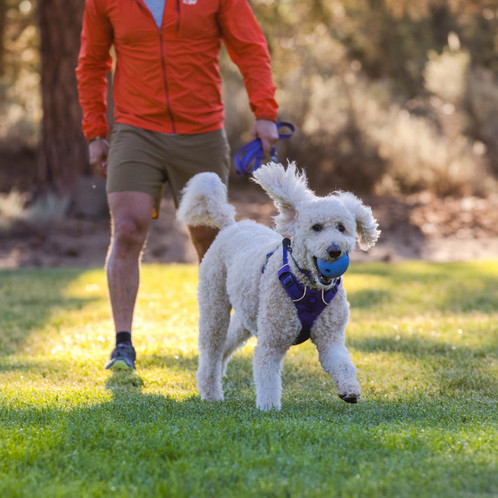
column 330, row 270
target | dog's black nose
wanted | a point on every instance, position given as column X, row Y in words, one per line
column 334, row 251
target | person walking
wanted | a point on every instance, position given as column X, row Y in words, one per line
column 169, row 117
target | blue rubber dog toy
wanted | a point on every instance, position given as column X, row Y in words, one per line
column 334, row 269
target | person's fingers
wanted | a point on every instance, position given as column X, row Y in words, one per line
column 97, row 155
column 100, row 165
column 267, row 132
column 267, row 146
column 103, row 168
column 269, row 138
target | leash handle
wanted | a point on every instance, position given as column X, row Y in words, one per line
column 252, row 152
column 285, row 124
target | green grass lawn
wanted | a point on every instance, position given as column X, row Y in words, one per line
column 424, row 338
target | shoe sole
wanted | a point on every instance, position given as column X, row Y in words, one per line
column 119, row 365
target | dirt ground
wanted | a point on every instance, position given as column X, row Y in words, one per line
column 417, row 227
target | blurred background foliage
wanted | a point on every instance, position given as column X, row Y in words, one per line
column 388, row 96
column 20, row 95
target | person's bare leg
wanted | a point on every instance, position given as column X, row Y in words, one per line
column 130, row 216
column 202, row 238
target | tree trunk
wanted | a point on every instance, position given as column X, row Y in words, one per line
column 3, row 11
column 63, row 152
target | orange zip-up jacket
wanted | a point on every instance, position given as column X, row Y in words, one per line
column 168, row 79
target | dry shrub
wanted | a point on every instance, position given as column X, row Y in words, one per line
column 432, row 151
column 421, row 158
column 482, row 104
column 445, row 74
column 20, row 96
column 358, row 136
column 337, row 147
column 40, row 213
column 12, row 208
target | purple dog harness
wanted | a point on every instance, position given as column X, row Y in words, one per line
column 309, row 303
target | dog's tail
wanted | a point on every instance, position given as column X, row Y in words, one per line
column 204, row 202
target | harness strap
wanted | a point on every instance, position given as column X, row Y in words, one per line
column 309, row 303
column 268, row 256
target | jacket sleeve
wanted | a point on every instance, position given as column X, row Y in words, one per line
column 248, row 49
column 94, row 62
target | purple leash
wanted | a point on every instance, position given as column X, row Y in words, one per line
column 252, row 152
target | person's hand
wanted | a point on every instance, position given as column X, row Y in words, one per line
column 267, row 132
column 97, row 152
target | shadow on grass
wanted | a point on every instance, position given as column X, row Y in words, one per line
column 152, row 445
column 138, row 438
column 124, row 381
column 29, row 298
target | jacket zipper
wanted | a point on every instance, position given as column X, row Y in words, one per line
column 163, row 61
column 163, row 64
column 178, row 13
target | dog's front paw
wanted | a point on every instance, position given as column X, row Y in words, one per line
column 350, row 397
column 209, row 391
column 349, row 391
column 211, row 397
column 267, row 406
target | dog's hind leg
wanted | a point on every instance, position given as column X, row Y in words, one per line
column 214, row 317
column 237, row 336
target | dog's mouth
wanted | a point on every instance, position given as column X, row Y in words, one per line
column 322, row 277
column 328, row 271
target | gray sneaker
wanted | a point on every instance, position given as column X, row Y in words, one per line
column 122, row 358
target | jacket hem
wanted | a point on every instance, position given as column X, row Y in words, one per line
column 179, row 128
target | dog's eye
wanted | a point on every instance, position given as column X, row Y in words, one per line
column 341, row 228
column 317, row 227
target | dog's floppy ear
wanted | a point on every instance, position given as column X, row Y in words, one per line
column 366, row 225
column 288, row 188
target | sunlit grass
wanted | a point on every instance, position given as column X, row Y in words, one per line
column 424, row 338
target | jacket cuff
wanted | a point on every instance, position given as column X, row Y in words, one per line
column 95, row 131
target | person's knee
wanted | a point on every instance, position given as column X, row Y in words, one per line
column 129, row 234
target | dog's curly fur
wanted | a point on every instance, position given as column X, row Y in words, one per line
column 230, row 277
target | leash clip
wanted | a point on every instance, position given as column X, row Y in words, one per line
column 287, row 243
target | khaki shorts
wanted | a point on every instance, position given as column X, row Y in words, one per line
column 142, row 160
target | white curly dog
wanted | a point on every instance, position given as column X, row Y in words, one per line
column 240, row 271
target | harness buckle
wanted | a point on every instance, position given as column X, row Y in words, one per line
column 288, row 281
